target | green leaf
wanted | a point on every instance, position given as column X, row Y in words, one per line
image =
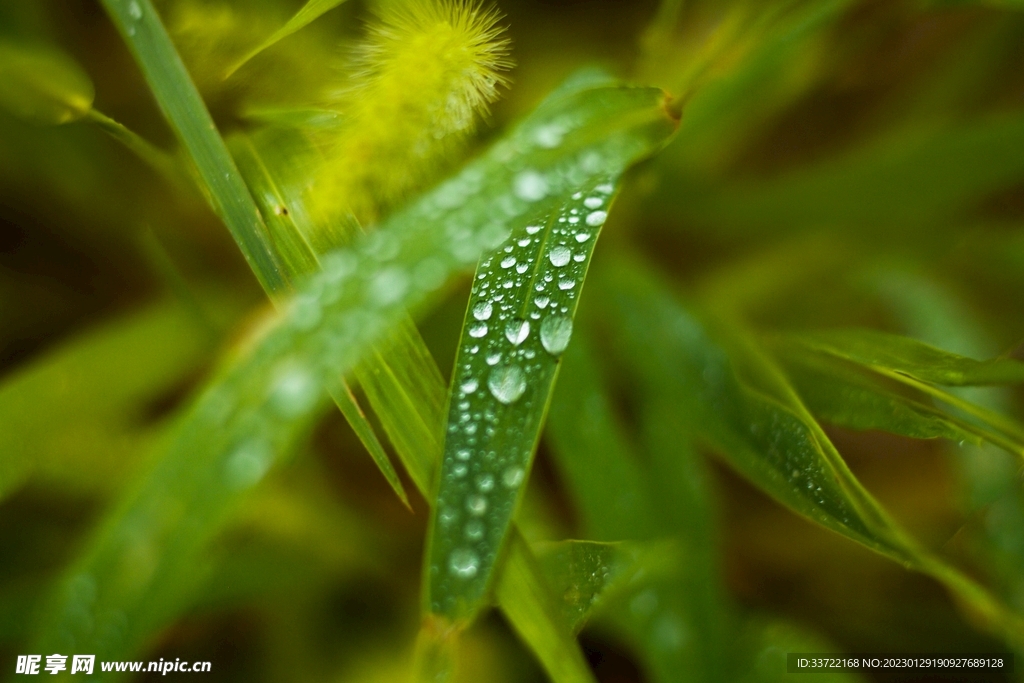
column 43, row 85
column 306, row 15
column 535, row 615
column 747, row 410
column 519, row 322
column 876, row 349
column 843, row 396
column 656, row 488
column 299, row 258
column 73, row 413
column 143, row 565
column 586, row 574
column 183, row 107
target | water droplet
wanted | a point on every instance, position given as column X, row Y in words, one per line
column 248, row 463
column 294, row 392
column 469, row 386
column 566, row 284
column 474, row 530
column 607, row 188
column 532, row 229
column 593, row 202
column 582, row 237
column 512, row 477
column 483, row 310
column 485, row 482
column 464, row 563
column 525, row 242
column 555, row 332
column 508, row 261
column 388, row 286
column 507, row 284
column 596, row 218
column 476, row 505
column 530, row 186
column 463, row 454
column 493, row 359
column 559, row 256
column 541, row 302
column 522, row 268
column 517, row 331
column 306, row 312
column 460, row 470
column 134, row 10
column 579, row 258
column 549, row 136
column 507, row 383
column 478, row 330
column 573, row 220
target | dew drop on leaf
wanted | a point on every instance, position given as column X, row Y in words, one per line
column 559, row 256
column 476, row 505
column 530, row 186
column 483, row 310
column 464, row 563
column 596, row 218
column 512, row 477
column 478, row 330
column 517, row 331
column 507, row 383
column 555, row 332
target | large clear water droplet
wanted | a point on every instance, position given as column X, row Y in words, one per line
column 294, row 392
column 559, row 256
column 507, row 383
column 542, row 302
column 597, row 218
column 483, row 310
column 469, row 386
column 474, row 530
column 555, row 332
column 508, row 261
column 593, row 202
column 478, row 330
column 517, row 331
column 464, row 563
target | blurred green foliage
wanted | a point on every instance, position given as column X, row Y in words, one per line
column 796, row 357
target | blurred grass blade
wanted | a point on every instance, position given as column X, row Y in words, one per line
column 519, row 322
column 609, row 490
column 41, row 84
column 534, row 614
column 73, row 411
column 661, row 491
column 876, row 349
column 399, row 376
column 263, row 403
column 586, row 574
column 184, row 109
column 842, row 396
column 749, row 412
column 306, row 15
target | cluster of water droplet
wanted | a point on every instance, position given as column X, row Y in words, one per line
column 518, row 324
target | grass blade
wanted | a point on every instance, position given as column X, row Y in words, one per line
column 299, row 258
column 750, row 413
column 41, row 84
column 263, row 404
column 305, row 16
column 536, row 617
column 77, row 404
column 876, row 349
column 518, row 324
column 183, row 107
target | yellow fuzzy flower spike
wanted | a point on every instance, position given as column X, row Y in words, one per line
column 425, row 71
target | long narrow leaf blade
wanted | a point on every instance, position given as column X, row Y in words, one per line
column 139, row 24
column 305, row 16
column 873, row 348
column 518, row 324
